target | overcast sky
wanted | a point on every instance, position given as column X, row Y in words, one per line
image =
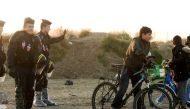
column 165, row 17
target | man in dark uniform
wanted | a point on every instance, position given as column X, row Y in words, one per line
column 21, row 62
column 2, row 52
column 41, row 90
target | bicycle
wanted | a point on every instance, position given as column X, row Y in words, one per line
column 106, row 96
column 169, row 85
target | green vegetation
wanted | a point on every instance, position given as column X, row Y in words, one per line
column 116, row 43
column 156, row 52
column 84, row 33
column 102, row 58
column 58, row 50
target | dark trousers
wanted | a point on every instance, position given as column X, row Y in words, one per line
column 24, row 82
column 124, row 82
column 41, row 81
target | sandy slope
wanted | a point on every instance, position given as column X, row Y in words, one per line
column 81, row 59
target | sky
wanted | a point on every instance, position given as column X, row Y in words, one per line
column 166, row 17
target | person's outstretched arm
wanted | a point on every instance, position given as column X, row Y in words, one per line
column 57, row 39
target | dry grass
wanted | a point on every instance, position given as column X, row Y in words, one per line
column 84, row 33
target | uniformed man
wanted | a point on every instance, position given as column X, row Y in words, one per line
column 21, row 62
column 41, row 98
column 2, row 53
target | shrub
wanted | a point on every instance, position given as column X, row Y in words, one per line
column 156, row 52
column 58, row 50
column 117, row 43
column 103, row 59
column 84, row 33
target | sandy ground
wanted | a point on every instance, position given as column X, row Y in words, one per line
column 77, row 96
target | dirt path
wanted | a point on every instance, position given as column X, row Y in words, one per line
column 77, row 96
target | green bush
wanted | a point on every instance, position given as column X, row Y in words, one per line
column 116, row 43
column 103, row 59
column 84, row 33
column 58, row 50
column 158, row 56
column 156, row 52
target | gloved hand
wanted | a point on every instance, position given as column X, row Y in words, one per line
column 148, row 59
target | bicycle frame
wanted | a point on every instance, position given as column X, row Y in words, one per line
column 144, row 78
column 132, row 90
column 168, row 81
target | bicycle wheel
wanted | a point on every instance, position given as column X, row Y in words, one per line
column 103, row 95
column 146, row 99
column 170, row 92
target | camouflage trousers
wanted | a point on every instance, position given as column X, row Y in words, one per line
column 24, row 89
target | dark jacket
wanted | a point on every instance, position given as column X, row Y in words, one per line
column 179, row 63
column 2, row 53
column 2, row 59
column 136, row 53
column 46, row 41
column 21, row 52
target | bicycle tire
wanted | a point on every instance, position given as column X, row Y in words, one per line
column 112, row 86
column 147, row 90
column 169, row 90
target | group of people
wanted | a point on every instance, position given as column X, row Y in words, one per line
column 29, row 63
column 136, row 55
column 27, row 50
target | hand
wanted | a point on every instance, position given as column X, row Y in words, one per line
column 63, row 32
column 147, row 60
column 172, row 71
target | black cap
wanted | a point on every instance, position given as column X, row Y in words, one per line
column 2, row 23
column 46, row 22
column 28, row 20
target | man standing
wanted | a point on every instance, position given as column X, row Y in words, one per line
column 41, row 90
column 21, row 62
column 2, row 52
column 180, row 64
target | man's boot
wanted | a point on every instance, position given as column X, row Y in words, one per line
column 38, row 102
column 46, row 98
